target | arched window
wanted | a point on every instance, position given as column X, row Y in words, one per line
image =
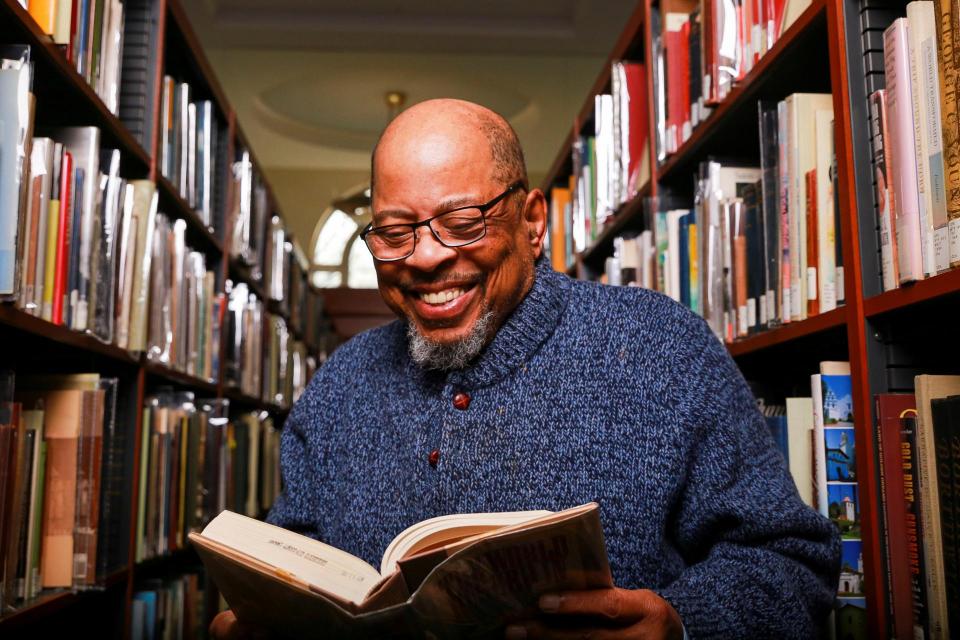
column 339, row 257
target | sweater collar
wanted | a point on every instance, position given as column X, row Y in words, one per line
column 522, row 333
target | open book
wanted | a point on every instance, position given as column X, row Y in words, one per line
column 462, row 575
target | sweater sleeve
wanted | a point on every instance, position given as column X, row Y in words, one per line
column 760, row 563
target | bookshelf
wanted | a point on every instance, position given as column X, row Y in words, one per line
column 888, row 337
column 34, row 345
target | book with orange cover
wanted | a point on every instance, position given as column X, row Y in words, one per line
column 453, row 575
column 45, row 13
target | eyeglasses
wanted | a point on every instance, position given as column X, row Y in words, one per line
column 455, row 228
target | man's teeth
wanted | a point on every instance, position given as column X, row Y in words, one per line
column 441, row 297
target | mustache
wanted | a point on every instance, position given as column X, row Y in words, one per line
column 447, row 278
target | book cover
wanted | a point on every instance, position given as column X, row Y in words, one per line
column 824, row 220
column 770, row 208
column 947, row 20
column 884, row 194
column 800, row 435
column 813, row 274
column 929, row 149
column 892, row 411
column 929, row 388
column 15, row 77
column 906, row 198
column 946, row 435
column 293, row 585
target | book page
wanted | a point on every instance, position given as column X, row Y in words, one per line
column 313, row 562
column 447, row 529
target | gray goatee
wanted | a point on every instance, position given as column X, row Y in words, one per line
column 449, row 357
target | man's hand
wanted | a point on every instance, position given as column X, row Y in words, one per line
column 602, row 614
column 225, row 626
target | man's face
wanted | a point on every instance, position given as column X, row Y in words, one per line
column 444, row 291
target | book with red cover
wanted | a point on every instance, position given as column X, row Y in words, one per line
column 895, row 495
column 673, row 43
column 639, row 167
column 813, row 302
column 683, row 88
column 63, row 236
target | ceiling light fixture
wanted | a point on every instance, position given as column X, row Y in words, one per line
column 395, row 101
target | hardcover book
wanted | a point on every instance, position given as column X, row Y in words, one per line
column 452, row 575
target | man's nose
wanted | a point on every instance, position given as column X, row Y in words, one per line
column 429, row 253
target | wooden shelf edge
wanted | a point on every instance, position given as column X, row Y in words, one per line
column 188, row 213
column 628, row 211
column 742, row 91
column 232, row 393
column 176, row 10
column 238, row 271
column 633, row 26
column 161, row 370
column 926, row 290
column 13, row 317
column 148, row 564
column 41, row 42
column 47, row 603
column 788, row 332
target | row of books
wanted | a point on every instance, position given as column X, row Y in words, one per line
column 285, row 282
column 609, row 167
column 169, row 609
column 93, row 254
column 916, row 147
column 61, row 483
column 815, row 435
column 287, row 364
column 263, row 359
column 184, row 307
column 701, row 52
column 197, row 460
column 190, row 146
column 248, row 215
column 918, row 449
column 90, row 32
column 917, row 436
column 760, row 246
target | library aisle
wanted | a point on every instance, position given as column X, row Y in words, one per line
column 787, row 170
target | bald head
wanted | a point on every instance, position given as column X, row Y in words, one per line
column 458, row 120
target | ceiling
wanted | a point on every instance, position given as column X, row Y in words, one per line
column 308, row 78
column 552, row 27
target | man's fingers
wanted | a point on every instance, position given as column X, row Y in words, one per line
column 225, row 626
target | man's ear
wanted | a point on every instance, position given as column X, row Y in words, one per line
column 535, row 220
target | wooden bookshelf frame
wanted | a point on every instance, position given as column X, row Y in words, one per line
column 54, row 71
column 851, row 318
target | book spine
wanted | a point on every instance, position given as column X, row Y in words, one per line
column 947, row 18
column 913, row 506
column 946, row 436
column 786, row 257
column 938, row 240
column 825, row 219
column 891, row 410
column 884, row 195
column 819, row 455
column 906, row 200
column 915, row 30
column 813, row 303
column 63, row 237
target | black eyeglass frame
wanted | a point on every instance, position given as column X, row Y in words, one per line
column 413, row 226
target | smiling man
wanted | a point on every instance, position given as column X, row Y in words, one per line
column 505, row 386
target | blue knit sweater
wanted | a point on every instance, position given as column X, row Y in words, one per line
column 587, row 393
